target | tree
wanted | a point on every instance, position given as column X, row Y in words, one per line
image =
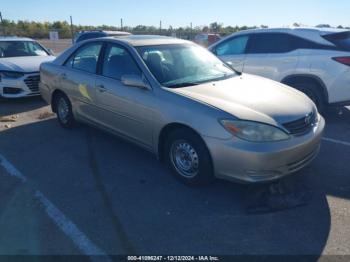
column 215, row 27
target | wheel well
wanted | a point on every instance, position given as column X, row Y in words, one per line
column 53, row 97
column 295, row 79
column 167, row 130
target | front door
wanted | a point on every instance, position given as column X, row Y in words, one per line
column 233, row 51
column 125, row 109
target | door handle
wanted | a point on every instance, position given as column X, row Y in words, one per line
column 101, row 88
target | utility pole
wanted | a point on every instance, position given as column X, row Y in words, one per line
column 71, row 29
column 160, row 27
column 191, row 34
column 2, row 24
column 121, row 24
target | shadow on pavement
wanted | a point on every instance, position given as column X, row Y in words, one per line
column 337, row 115
column 20, row 105
column 158, row 214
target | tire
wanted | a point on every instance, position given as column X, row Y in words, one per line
column 63, row 110
column 188, row 158
column 313, row 92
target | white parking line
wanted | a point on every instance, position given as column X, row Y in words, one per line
column 68, row 227
column 80, row 240
column 344, row 143
column 11, row 169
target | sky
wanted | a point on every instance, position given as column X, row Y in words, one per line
column 181, row 12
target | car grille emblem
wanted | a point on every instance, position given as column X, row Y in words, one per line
column 308, row 119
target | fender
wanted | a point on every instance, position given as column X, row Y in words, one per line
column 307, row 77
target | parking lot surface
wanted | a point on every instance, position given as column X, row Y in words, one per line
column 84, row 191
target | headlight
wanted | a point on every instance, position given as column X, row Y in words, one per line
column 254, row 131
column 10, row 75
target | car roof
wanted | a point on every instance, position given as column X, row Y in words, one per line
column 147, row 40
column 15, row 38
column 311, row 33
column 320, row 30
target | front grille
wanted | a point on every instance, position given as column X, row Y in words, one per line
column 301, row 126
column 33, row 83
column 11, row 90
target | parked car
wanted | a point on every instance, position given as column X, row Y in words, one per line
column 206, row 39
column 85, row 35
column 20, row 59
column 314, row 60
column 180, row 102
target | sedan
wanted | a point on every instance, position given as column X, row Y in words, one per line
column 20, row 59
column 180, row 102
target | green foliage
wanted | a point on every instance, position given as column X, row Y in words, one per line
column 40, row 30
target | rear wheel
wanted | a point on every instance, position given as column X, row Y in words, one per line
column 63, row 109
column 188, row 158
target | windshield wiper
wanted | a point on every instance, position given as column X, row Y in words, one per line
column 183, row 84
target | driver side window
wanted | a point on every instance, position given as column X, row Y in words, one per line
column 234, row 46
column 118, row 62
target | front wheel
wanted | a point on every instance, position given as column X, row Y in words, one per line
column 188, row 158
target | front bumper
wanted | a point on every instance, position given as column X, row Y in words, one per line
column 245, row 161
column 26, row 86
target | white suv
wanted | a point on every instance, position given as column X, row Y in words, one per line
column 314, row 60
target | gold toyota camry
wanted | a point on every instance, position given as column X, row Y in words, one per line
column 180, row 102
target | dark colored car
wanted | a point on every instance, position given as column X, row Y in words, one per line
column 85, row 35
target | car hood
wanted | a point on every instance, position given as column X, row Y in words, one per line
column 25, row 64
column 252, row 98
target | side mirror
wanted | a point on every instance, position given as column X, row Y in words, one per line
column 135, row 81
column 213, row 51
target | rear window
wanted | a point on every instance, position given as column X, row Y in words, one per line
column 90, row 36
column 341, row 40
column 265, row 43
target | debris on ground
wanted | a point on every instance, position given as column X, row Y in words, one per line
column 5, row 119
column 45, row 115
column 276, row 197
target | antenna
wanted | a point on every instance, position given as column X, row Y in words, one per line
column 71, row 29
column 243, row 66
column 2, row 24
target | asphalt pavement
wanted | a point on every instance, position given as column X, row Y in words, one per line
column 84, row 191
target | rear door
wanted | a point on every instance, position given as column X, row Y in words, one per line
column 77, row 79
column 271, row 55
column 233, row 50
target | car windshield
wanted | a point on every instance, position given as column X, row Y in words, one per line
column 21, row 48
column 183, row 65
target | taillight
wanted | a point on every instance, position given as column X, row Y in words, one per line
column 344, row 60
